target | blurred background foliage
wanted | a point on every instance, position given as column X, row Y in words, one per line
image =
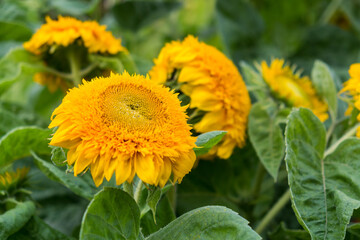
column 251, row 31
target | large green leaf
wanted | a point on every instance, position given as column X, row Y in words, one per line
column 207, row 140
column 324, row 84
column 14, row 219
column 14, row 32
column 8, row 121
column 112, row 214
column 37, row 229
column 324, row 189
column 254, row 81
column 75, row 184
column 18, row 64
column 133, row 15
column 207, row 223
column 19, row 142
column 266, row 136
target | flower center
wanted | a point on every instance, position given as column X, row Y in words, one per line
column 298, row 95
column 131, row 106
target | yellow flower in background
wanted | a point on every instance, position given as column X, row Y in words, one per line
column 11, row 180
column 66, row 30
column 124, row 124
column 214, row 86
column 293, row 89
column 51, row 81
column 352, row 87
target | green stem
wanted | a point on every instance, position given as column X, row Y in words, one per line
column 260, row 173
column 57, row 73
column 331, row 128
column 172, row 197
column 88, row 69
column 273, row 212
column 137, row 192
column 348, row 134
column 75, row 67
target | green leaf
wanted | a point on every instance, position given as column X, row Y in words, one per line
column 164, row 215
column 36, row 229
column 324, row 189
column 207, row 223
column 14, row 32
column 14, row 219
column 254, row 81
column 133, row 15
column 8, row 121
column 154, row 194
column 324, row 84
column 112, row 214
column 207, row 140
column 230, row 15
column 19, row 142
column 266, row 136
column 75, row 184
column 18, row 64
column 58, row 156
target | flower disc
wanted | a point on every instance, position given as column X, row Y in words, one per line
column 127, row 125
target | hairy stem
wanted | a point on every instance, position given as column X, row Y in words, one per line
column 260, row 173
column 75, row 67
column 273, row 212
column 137, row 192
column 348, row 134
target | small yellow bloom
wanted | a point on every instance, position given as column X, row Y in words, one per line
column 11, row 180
column 66, row 30
column 293, row 89
column 124, row 124
column 214, row 86
column 352, row 87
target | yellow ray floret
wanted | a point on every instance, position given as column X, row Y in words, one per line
column 213, row 84
column 352, row 87
column 293, row 89
column 66, row 30
column 124, row 124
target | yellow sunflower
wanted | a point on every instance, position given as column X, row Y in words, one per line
column 11, row 180
column 352, row 87
column 214, row 86
column 66, row 30
column 124, row 124
column 293, row 89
